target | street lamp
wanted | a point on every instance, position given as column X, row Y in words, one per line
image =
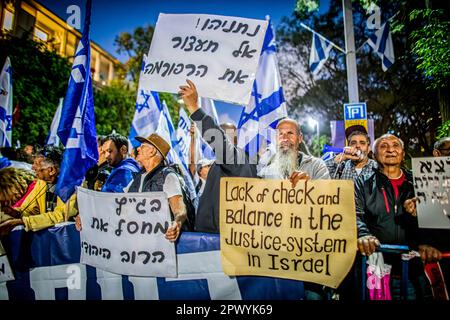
column 313, row 123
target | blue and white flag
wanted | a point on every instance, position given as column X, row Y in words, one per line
column 6, row 103
column 184, row 136
column 267, row 105
column 381, row 42
column 320, row 51
column 166, row 130
column 77, row 125
column 209, row 107
column 52, row 138
column 146, row 116
column 203, row 148
column 53, row 272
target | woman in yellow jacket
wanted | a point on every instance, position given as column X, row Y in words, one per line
column 42, row 208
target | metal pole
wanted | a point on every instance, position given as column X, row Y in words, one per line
column 318, row 140
column 350, row 57
column 322, row 37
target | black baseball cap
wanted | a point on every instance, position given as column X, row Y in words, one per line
column 354, row 128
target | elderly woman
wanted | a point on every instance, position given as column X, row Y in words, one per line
column 42, row 208
column 384, row 214
column 15, row 185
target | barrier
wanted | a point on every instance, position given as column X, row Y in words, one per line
column 399, row 249
column 46, row 267
column 387, row 248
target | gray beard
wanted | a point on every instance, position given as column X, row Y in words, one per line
column 286, row 162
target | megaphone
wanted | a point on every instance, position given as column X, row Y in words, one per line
column 327, row 148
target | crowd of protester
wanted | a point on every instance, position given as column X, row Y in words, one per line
column 384, row 194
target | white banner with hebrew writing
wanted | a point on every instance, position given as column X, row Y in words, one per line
column 124, row 233
column 219, row 54
column 6, row 273
column 432, row 189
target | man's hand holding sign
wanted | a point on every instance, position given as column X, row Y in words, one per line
column 220, row 54
column 304, row 233
column 127, row 233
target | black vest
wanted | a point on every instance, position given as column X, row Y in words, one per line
column 154, row 181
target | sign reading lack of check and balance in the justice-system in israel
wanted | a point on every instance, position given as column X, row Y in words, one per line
column 307, row 233
column 124, row 233
column 219, row 54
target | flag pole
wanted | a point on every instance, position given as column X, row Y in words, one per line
column 322, row 37
column 350, row 56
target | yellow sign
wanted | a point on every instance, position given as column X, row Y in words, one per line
column 349, row 123
column 307, row 233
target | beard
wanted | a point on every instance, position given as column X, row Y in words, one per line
column 286, row 162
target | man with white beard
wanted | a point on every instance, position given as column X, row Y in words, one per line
column 289, row 162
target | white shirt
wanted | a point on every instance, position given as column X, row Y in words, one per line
column 171, row 186
column 202, row 187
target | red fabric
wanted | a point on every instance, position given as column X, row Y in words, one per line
column 396, row 183
column 30, row 188
column 16, row 114
column 385, row 200
column 434, row 274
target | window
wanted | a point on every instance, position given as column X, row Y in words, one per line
column 8, row 20
column 41, row 35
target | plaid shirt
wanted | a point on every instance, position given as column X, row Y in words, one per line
column 349, row 172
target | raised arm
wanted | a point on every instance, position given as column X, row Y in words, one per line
column 225, row 150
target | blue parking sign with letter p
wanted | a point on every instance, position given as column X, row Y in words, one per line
column 355, row 111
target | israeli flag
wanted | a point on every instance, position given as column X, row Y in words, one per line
column 320, row 51
column 6, row 96
column 147, row 113
column 267, row 105
column 381, row 42
column 209, row 107
column 200, row 273
column 184, row 136
column 52, row 138
column 202, row 149
column 77, row 125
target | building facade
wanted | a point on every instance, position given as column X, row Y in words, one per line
column 28, row 16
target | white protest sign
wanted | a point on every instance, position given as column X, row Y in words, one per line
column 219, row 54
column 124, row 233
column 6, row 273
column 432, row 188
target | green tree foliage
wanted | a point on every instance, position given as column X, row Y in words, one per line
column 398, row 100
column 114, row 108
column 431, row 44
column 173, row 106
column 39, row 79
column 135, row 46
column 444, row 130
column 317, row 144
